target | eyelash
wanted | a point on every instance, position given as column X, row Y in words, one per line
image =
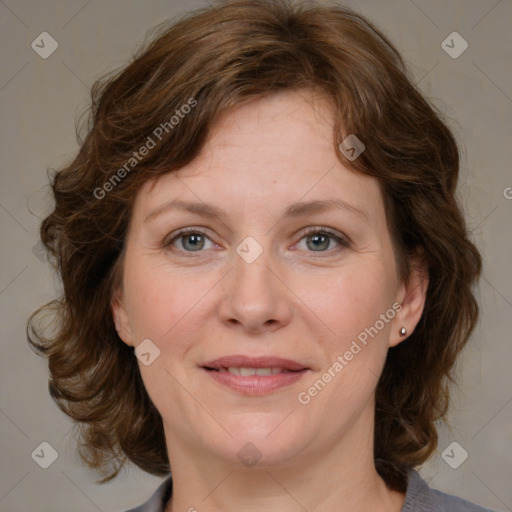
column 344, row 241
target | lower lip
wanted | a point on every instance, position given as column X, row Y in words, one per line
column 255, row 384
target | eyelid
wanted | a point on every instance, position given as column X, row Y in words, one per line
column 328, row 231
column 168, row 240
column 344, row 242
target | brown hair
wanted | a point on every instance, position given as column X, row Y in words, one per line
column 211, row 60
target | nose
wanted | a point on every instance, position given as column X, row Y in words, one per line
column 255, row 297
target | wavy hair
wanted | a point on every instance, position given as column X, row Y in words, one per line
column 213, row 59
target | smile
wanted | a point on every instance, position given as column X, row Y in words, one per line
column 254, row 376
column 247, row 372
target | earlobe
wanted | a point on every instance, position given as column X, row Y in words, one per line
column 412, row 297
column 121, row 319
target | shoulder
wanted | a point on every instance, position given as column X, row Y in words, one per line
column 421, row 498
column 159, row 499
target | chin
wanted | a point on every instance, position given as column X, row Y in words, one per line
column 262, row 440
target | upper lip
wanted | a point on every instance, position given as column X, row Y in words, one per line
column 240, row 361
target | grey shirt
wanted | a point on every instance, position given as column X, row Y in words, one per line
column 418, row 498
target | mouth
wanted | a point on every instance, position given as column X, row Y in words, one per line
column 255, row 375
column 248, row 371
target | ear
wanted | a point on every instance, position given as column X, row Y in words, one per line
column 121, row 318
column 411, row 296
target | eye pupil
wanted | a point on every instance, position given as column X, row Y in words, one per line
column 197, row 242
column 319, row 238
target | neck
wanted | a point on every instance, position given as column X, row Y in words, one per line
column 341, row 478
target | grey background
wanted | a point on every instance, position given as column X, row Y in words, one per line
column 40, row 100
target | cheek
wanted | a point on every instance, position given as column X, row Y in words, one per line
column 166, row 307
column 350, row 301
column 162, row 301
column 351, row 304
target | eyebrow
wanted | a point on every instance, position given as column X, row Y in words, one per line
column 294, row 210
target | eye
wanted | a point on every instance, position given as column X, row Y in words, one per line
column 321, row 239
column 317, row 239
column 189, row 240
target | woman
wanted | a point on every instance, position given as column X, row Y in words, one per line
column 267, row 278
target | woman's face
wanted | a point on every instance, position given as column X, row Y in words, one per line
column 288, row 267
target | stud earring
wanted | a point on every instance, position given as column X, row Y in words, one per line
column 403, row 331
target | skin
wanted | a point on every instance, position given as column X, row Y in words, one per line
column 296, row 300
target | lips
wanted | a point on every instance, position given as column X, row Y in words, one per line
column 254, row 375
column 239, row 361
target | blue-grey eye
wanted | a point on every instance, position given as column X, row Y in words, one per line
column 318, row 241
column 192, row 241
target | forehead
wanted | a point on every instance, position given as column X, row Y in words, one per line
column 270, row 150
